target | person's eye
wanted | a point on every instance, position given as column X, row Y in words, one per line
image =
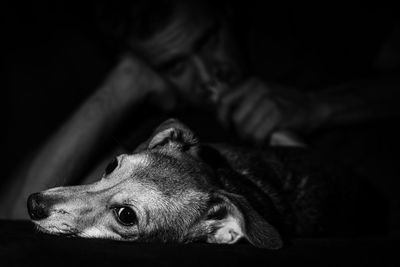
column 111, row 166
column 125, row 216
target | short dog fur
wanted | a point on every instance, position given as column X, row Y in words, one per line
column 175, row 189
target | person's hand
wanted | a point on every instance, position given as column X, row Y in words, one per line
column 132, row 80
column 256, row 109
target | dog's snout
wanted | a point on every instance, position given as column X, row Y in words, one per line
column 37, row 207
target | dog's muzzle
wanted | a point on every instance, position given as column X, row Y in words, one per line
column 37, row 207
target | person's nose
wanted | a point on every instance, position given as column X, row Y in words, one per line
column 203, row 69
column 209, row 71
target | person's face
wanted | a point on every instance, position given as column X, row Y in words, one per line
column 194, row 53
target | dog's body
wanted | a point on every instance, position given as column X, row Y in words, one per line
column 172, row 188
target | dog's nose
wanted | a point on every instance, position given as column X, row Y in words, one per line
column 36, row 207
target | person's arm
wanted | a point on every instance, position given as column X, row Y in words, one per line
column 257, row 109
column 372, row 98
column 63, row 159
column 359, row 101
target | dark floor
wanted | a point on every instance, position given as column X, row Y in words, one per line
column 21, row 245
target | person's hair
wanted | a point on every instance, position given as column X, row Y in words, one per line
column 141, row 19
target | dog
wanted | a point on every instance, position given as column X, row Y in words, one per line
column 173, row 188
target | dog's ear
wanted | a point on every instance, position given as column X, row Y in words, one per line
column 231, row 218
column 173, row 132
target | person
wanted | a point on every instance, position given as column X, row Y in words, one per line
column 183, row 53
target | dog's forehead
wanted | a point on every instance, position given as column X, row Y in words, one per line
column 156, row 179
column 131, row 166
column 175, row 170
column 168, row 172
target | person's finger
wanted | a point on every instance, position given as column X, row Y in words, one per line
column 262, row 114
column 248, row 105
column 266, row 126
column 226, row 103
column 286, row 138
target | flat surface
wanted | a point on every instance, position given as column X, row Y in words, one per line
column 21, row 245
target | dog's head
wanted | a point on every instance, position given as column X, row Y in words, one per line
column 163, row 192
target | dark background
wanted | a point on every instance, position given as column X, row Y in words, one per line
column 53, row 60
column 55, row 55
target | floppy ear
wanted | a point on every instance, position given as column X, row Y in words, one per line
column 231, row 218
column 173, row 132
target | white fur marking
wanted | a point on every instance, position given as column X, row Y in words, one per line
column 138, row 160
column 93, row 232
column 229, row 232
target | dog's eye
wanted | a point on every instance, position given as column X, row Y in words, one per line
column 126, row 216
column 111, row 166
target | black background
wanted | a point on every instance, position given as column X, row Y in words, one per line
column 54, row 56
